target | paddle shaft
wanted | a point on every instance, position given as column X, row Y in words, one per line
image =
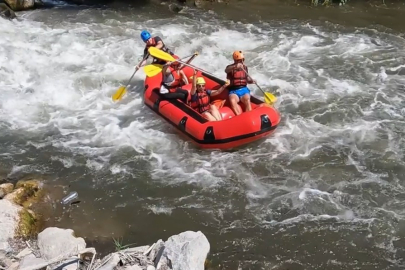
column 253, row 80
column 133, row 74
column 192, row 57
column 157, row 53
column 212, row 75
column 197, row 68
column 159, row 67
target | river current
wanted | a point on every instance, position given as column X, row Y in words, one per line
column 325, row 191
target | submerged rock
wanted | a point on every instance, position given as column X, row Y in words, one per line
column 199, row 3
column 176, row 8
column 6, row 12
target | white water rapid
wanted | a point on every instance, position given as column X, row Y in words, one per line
column 329, row 179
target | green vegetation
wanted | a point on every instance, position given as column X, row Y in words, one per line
column 29, row 225
column 118, row 244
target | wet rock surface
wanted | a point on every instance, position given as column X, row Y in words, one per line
column 60, row 248
column 18, row 5
column 7, row 13
column 57, row 248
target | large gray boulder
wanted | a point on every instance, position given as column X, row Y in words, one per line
column 187, row 250
column 59, row 243
column 9, row 219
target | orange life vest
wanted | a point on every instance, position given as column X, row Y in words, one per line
column 202, row 104
column 237, row 77
column 177, row 80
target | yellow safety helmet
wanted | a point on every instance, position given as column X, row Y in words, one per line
column 200, row 80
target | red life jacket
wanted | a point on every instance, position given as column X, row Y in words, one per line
column 202, row 104
column 237, row 77
column 177, row 80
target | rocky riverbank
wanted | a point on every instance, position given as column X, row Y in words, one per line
column 21, row 247
column 288, row 7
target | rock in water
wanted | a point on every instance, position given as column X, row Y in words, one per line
column 18, row 5
column 6, row 12
column 7, row 187
column 54, row 242
column 175, row 7
column 187, row 250
column 199, row 3
column 9, row 218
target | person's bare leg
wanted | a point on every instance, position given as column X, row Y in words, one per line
column 207, row 115
column 234, row 99
column 215, row 112
column 246, row 100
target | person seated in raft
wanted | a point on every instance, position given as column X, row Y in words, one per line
column 236, row 73
column 172, row 80
column 200, row 98
column 156, row 42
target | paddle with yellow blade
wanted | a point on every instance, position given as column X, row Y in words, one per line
column 268, row 97
column 167, row 57
column 154, row 69
column 123, row 89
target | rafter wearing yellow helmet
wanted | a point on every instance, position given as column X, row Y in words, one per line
column 201, row 98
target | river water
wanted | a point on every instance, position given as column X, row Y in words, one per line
column 326, row 191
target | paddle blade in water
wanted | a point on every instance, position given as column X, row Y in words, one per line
column 155, row 52
column 152, row 70
column 119, row 94
column 269, row 98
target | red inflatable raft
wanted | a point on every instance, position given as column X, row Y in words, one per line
column 232, row 132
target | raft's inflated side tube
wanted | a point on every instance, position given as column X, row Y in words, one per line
column 232, row 132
